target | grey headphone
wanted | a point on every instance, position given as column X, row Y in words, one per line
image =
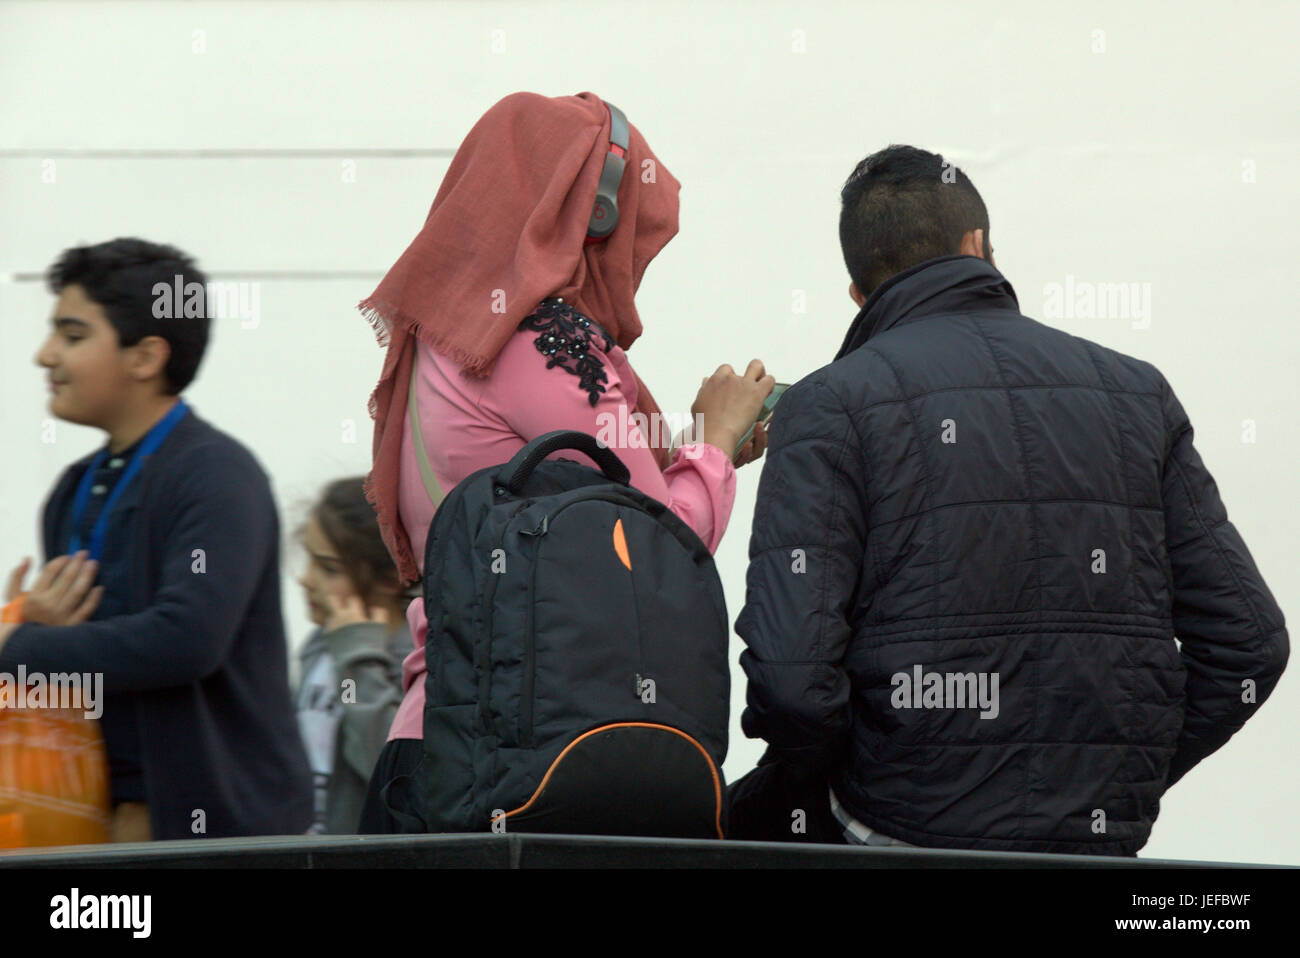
column 604, row 213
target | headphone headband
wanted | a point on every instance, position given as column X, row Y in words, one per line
column 604, row 212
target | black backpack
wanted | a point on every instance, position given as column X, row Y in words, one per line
column 577, row 655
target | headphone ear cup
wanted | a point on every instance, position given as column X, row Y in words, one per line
column 604, row 217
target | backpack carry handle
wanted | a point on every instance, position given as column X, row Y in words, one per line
column 526, row 459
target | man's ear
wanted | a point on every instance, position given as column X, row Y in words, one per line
column 149, row 358
column 972, row 243
column 855, row 295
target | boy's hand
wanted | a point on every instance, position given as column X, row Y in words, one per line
column 349, row 611
column 63, row 593
column 15, row 587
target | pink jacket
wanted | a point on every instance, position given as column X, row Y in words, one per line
column 468, row 424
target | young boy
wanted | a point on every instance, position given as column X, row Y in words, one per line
column 187, row 629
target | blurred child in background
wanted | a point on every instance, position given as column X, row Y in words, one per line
column 350, row 676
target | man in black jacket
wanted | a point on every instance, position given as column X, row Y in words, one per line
column 186, row 627
column 978, row 544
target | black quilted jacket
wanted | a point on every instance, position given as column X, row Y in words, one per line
column 978, row 546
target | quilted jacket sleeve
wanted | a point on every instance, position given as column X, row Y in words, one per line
column 1233, row 637
column 805, row 557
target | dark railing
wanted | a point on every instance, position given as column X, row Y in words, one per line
column 538, row 851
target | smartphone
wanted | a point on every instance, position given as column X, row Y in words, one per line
column 764, row 415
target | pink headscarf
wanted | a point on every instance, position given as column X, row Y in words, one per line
column 506, row 231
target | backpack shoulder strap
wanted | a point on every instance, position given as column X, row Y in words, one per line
column 364, row 654
column 431, row 486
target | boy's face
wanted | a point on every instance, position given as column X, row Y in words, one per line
column 83, row 361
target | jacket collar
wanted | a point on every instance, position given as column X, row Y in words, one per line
column 948, row 284
column 185, row 431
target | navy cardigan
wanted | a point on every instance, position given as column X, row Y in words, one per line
column 193, row 545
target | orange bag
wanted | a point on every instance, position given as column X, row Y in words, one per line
column 53, row 776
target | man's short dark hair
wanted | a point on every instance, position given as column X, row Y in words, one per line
column 120, row 276
column 903, row 206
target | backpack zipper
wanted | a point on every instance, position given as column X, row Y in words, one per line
column 485, row 656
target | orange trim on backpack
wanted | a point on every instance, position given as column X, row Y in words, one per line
column 717, row 785
column 620, row 545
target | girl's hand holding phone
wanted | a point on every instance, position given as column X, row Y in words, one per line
column 754, row 448
column 728, row 404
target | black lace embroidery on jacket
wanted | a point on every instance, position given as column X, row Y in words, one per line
column 566, row 339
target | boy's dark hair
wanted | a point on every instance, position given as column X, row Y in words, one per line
column 349, row 522
column 900, row 209
column 120, row 276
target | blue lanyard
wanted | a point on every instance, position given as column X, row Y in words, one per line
column 152, row 440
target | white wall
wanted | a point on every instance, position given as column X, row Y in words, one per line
column 1130, row 163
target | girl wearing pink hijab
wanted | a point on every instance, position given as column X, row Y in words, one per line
column 505, row 319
